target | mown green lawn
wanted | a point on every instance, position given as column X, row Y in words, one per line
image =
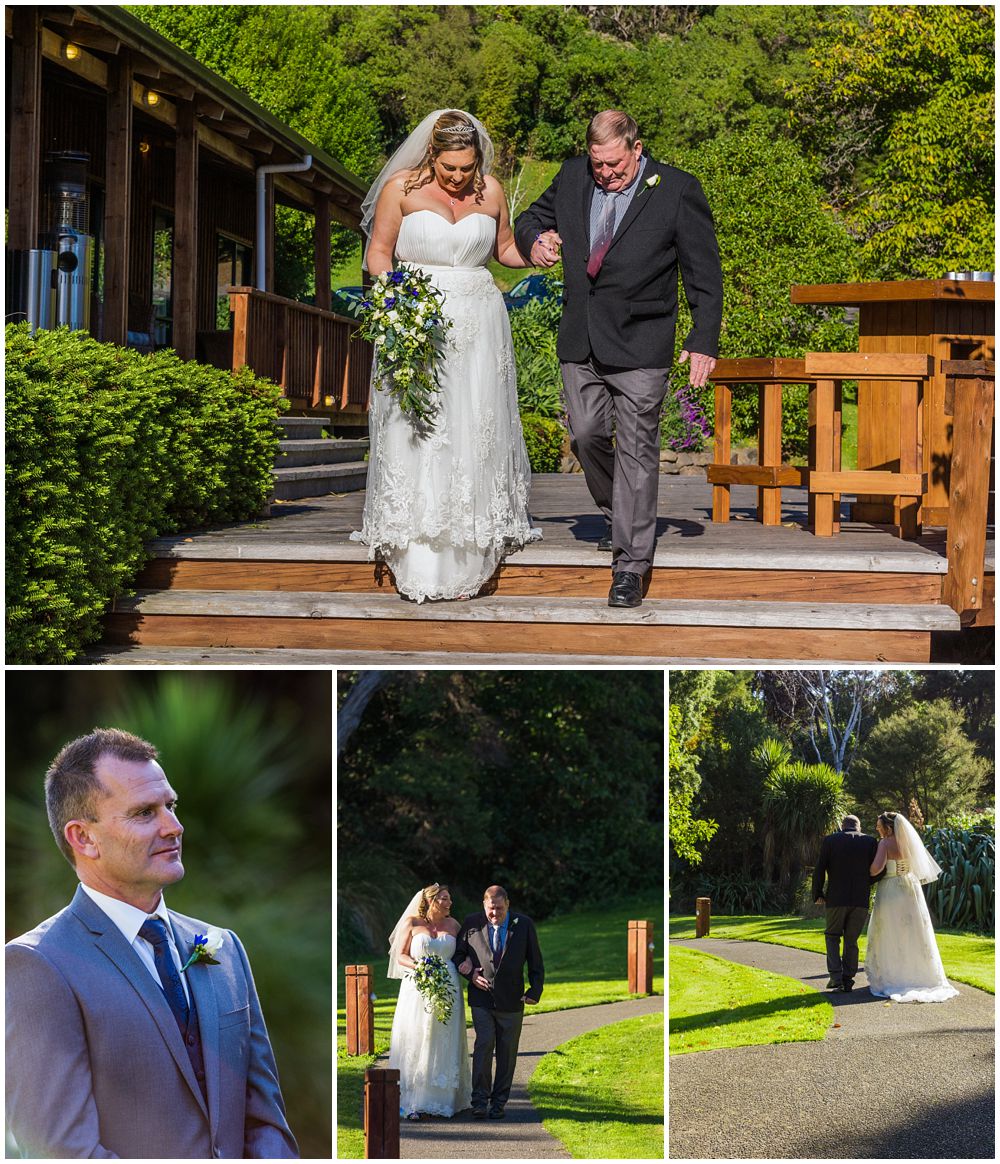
column 967, row 957
column 601, row 1094
column 586, row 963
column 715, row 1003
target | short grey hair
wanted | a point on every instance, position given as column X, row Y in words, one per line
column 612, row 125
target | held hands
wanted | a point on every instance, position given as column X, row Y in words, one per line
column 480, row 981
column 702, row 367
column 545, row 250
column 529, row 1001
column 465, row 967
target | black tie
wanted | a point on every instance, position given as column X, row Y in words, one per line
column 154, row 931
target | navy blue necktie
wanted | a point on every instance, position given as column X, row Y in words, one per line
column 154, row 931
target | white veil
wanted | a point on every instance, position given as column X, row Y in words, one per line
column 914, row 852
column 398, row 936
column 408, row 157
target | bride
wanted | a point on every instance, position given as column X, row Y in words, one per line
column 902, row 960
column 432, row 1057
column 443, row 507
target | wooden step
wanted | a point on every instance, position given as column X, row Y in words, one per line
column 302, row 427
column 317, row 480
column 539, row 625
column 320, row 451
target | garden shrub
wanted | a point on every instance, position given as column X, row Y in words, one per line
column 534, row 329
column 963, row 896
column 105, row 449
column 543, row 437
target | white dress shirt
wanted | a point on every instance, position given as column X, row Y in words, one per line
column 130, row 921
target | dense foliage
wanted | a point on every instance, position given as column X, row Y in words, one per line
column 471, row 778
column 249, row 755
column 763, row 764
column 964, row 896
column 105, row 449
column 544, row 439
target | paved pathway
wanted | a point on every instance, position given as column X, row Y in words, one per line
column 520, row 1134
column 893, row 1081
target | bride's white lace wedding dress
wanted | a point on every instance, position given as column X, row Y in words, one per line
column 442, row 509
column 432, row 1057
column 901, row 959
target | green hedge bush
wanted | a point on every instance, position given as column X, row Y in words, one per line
column 543, row 437
column 105, row 449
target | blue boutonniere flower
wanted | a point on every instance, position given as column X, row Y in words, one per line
column 205, row 947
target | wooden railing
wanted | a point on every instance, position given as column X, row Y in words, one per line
column 311, row 353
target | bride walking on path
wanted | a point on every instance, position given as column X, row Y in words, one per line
column 902, row 960
column 445, row 503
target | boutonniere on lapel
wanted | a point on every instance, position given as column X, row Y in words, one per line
column 205, row 947
column 514, row 922
column 650, row 184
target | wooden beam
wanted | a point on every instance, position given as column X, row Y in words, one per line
column 321, row 247
column 185, row 275
column 869, row 365
column 118, row 199
column 268, row 234
column 24, row 184
column 869, row 481
column 763, row 476
column 753, row 371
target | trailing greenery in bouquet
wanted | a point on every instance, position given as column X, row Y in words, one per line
column 402, row 316
column 431, row 978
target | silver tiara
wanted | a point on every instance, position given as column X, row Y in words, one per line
column 457, row 129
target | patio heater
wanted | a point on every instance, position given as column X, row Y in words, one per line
column 66, row 217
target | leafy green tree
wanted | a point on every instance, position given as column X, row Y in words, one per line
column 691, row 694
column 922, row 753
column 774, row 229
column 899, row 110
column 509, row 68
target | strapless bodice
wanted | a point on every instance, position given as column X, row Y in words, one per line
column 422, row 944
column 427, row 238
column 896, row 868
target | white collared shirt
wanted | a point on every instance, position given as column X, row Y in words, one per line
column 130, row 921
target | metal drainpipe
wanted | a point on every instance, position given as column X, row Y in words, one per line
column 262, row 172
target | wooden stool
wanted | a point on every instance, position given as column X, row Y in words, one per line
column 906, row 485
column 769, row 474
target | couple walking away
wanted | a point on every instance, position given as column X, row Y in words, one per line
column 444, row 506
column 491, row 949
column 902, row 960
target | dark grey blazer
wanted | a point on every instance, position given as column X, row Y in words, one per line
column 96, row 1066
column 627, row 315
column 522, row 950
column 841, row 874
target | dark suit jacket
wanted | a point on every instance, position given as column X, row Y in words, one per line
column 96, row 1066
column 521, row 950
column 843, row 864
column 627, row 315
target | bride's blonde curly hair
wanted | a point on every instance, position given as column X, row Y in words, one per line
column 428, row 895
column 452, row 131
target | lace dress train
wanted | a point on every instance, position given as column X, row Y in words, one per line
column 432, row 1057
column 442, row 509
column 902, row 960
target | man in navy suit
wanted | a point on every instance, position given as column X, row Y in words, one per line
column 842, row 882
column 133, row 1031
column 625, row 225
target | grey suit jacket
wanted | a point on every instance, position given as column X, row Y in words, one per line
column 96, row 1066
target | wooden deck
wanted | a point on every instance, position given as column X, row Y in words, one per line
column 736, row 592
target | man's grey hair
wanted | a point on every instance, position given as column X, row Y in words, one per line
column 851, row 824
column 72, row 785
column 612, row 125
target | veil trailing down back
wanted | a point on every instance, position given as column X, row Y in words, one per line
column 445, row 504
column 902, row 960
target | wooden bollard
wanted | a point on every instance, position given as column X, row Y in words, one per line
column 702, row 916
column 381, row 1114
column 360, row 1016
column 640, row 957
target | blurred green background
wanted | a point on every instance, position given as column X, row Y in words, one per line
column 249, row 755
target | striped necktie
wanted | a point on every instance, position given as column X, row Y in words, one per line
column 604, row 232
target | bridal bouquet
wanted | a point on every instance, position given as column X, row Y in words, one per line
column 431, row 978
column 402, row 317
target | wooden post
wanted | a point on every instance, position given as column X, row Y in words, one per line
column 640, row 957
column 821, row 418
column 118, row 204
column 321, row 245
column 769, row 451
column 972, row 386
column 185, row 275
column 702, row 916
column 723, row 437
column 381, row 1114
column 269, row 284
column 360, row 1017
column 24, row 185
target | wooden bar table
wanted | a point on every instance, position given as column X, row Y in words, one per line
column 949, row 319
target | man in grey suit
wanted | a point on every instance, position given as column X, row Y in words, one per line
column 625, row 224
column 132, row 1031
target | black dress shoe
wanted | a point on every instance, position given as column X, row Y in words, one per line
column 496, row 1113
column 626, row 589
column 848, row 985
column 479, row 1113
